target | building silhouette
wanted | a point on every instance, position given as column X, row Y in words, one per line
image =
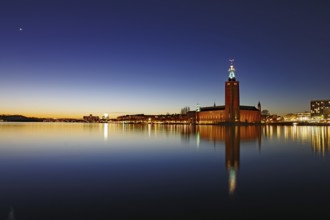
column 90, row 118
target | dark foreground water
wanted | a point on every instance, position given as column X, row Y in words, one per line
column 100, row 171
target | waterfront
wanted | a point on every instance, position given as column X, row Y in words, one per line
column 147, row 171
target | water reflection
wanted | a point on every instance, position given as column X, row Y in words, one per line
column 232, row 155
column 105, row 131
column 232, row 136
column 11, row 215
column 117, row 169
column 321, row 140
column 317, row 136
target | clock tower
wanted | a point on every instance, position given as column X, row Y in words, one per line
column 232, row 109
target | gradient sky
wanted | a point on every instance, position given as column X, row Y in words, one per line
column 74, row 58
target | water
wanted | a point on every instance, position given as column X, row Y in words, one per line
column 111, row 171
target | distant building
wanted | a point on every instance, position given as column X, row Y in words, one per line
column 320, row 108
column 303, row 116
column 91, row 118
column 137, row 118
column 168, row 118
column 232, row 111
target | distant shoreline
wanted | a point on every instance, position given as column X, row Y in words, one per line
column 174, row 123
column 21, row 118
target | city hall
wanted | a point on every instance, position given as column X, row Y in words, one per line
column 232, row 112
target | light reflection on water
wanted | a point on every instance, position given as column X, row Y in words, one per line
column 316, row 136
column 160, row 171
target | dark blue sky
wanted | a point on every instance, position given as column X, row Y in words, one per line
column 74, row 58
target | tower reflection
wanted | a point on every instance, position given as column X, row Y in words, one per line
column 232, row 136
column 232, row 144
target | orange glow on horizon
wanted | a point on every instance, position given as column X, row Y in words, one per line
column 78, row 115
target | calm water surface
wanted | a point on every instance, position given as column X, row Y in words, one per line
column 111, row 171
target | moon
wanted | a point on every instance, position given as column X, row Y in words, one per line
column 20, row 29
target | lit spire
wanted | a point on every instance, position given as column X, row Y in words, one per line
column 198, row 108
column 231, row 71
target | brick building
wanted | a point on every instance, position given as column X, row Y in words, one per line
column 232, row 111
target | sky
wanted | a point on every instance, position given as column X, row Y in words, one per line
column 68, row 58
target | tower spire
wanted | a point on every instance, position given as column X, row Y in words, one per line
column 231, row 71
column 198, row 108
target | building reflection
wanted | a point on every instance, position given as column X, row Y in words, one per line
column 232, row 144
column 320, row 140
column 316, row 136
column 232, row 137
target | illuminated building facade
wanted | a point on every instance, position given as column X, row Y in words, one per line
column 320, row 108
column 232, row 111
